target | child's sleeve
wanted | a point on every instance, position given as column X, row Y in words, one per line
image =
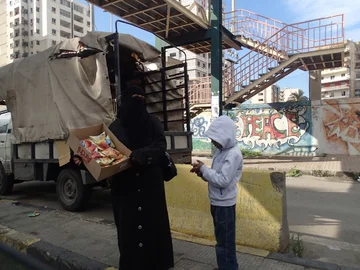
column 227, row 173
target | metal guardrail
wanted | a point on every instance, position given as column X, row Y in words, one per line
column 13, row 259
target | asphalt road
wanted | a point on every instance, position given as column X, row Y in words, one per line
column 325, row 211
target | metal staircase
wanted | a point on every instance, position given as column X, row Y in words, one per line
column 276, row 50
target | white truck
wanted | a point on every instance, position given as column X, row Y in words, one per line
column 77, row 84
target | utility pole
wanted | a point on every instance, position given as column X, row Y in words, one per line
column 72, row 18
column 216, row 58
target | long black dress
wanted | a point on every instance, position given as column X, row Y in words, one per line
column 138, row 194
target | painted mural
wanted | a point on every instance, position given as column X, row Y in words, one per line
column 273, row 129
column 339, row 126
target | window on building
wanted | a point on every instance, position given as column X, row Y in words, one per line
column 31, row 43
column 65, row 3
column 53, row 21
column 332, row 84
column 11, row 45
column 332, row 77
column 322, row 78
column 172, row 55
column 343, row 75
column 31, row 10
column 65, row 13
column 198, row 74
column 88, row 24
column 204, row 75
column 261, row 94
column 78, row 8
column 53, row 10
column 204, row 65
column 343, row 93
column 38, row 31
column 209, row 65
column 261, row 99
column 37, row 9
column 37, row 42
column 331, row 94
column 11, row 14
column 53, row 32
column 53, row 42
column 37, row 20
column 198, row 63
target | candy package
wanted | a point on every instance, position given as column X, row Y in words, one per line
column 102, row 141
column 112, row 153
column 104, row 161
column 89, row 145
column 103, row 150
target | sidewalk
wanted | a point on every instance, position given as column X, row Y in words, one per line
column 73, row 241
column 339, row 165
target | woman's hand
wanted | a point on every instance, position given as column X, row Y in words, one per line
column 77, row 160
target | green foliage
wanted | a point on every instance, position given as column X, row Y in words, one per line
column 297, row 246
column 293, row 173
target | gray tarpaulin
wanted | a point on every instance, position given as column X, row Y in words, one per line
column 49, row 97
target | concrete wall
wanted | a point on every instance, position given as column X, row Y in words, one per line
column 291, row 128
column 261, row 212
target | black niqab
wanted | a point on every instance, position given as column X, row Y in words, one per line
column 134, row 117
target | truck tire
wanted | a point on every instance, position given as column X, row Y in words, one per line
column 72, row 194
column 6, row 182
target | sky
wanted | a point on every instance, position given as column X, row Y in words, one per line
column 287, row 11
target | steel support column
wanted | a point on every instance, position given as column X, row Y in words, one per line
column 216, row 57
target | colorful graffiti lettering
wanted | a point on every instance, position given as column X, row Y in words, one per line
column 281, row 128
column 269, row 127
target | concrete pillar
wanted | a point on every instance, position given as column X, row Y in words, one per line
column 315, row 85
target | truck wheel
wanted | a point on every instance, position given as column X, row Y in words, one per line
column 6, row 182
column 71, row 192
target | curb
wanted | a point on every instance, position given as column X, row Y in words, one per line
column 51, row 255
column 308, row 263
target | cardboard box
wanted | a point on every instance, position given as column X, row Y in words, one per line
column 98, row 172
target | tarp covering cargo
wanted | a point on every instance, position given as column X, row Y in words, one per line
column 48, row 97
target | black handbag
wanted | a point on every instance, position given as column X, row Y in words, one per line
column 169, row 168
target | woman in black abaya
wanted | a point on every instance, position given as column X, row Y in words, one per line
column 138, row 194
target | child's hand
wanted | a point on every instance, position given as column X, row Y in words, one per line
column 196, row 167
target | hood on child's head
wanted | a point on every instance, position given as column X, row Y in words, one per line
column 223, row 131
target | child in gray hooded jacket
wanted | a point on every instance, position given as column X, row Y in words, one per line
column 222, row 179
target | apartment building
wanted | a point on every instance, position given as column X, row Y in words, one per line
column 30, row 26
column 287, row 93
column 343, row 82
column 268, row 95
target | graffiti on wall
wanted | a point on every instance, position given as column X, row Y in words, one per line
column 268, row 127
column 273, row 129
column 341, row 125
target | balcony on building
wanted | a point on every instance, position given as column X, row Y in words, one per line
column 64, row 34
column 335, row 87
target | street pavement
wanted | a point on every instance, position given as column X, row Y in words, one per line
column 96, row 239
column 323, row 210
